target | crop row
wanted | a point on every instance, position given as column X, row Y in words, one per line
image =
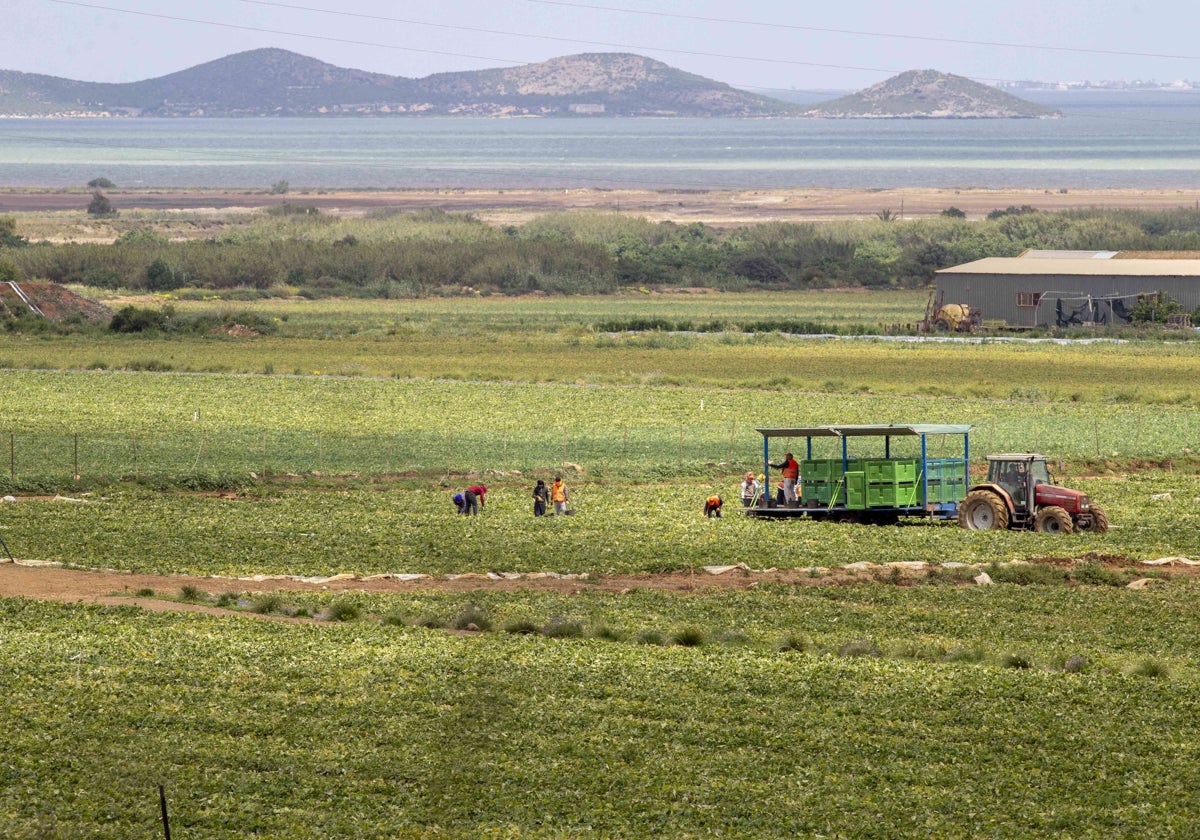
column 370, row 731
column 617, row 528
column 99, row 425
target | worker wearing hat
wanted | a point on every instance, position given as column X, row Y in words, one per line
column 750, row 489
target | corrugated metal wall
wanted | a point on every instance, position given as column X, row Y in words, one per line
column 997, row 295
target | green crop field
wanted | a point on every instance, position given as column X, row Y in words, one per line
column 936, row 712
column 1056, row 702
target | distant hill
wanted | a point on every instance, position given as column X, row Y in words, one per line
column 928, row 94
column 274, row 82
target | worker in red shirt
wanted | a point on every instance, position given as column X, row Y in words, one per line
column 791, row 474
column 473, row 493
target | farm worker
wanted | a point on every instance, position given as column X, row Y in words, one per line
column 712, row 507
column 750, row 488
column 790, row 474
column 459, row 502
column 470, row 503
column 480, row 491
column 558, row 495
column 541, row 495
column 779, row 498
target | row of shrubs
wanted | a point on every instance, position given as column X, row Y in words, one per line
column 580, row 253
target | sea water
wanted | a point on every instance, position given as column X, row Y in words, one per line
column 1102, row 141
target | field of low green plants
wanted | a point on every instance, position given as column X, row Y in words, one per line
column 619, row 527
column 871, row 703
column 934, row 712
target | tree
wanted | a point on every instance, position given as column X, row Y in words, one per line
column 8, row 233
column 279, row 188
column 1154, row 307
column 100, row 205
column 101, row 184
column 954, row 213
column 161, row 276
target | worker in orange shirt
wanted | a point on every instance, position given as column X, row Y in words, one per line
column 791, row 474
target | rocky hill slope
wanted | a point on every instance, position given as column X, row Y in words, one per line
column 274, row 82
column 928, row 94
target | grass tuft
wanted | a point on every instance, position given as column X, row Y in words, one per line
column 651, row 637
column 1016, row 661
column 859, row 647
column 344, row 609
column 562, row 628
column 471, row 617
column 792, row 643
column 689, row 637
column 521, row 627
column 267, row 603
column 1150, row 668
column 191, row 593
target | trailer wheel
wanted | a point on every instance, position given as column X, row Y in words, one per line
column 983, row 510
column 1098, row 524
column 1052, row 520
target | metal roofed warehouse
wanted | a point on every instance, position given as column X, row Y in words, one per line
column 1062, row 291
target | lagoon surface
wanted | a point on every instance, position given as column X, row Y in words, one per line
column 1103, row 141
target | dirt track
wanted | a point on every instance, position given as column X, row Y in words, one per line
column 115, row 587
column 718, row 207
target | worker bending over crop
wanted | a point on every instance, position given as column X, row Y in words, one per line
column 712, row 507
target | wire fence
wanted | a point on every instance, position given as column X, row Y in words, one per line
column 32, row 458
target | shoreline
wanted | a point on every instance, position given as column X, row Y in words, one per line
column 515, row 206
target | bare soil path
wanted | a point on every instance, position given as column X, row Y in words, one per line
column 111, row 587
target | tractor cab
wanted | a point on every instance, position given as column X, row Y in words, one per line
column 1019, row 476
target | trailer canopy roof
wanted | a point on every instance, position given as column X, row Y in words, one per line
column 868, row 431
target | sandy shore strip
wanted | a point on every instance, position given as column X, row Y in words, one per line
column 715, row 207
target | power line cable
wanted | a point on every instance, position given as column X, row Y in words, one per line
column 863, row 33
column 264, row 30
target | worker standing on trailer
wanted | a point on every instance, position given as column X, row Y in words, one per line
column 791, row 474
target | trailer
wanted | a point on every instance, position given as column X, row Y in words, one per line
column 865, row 481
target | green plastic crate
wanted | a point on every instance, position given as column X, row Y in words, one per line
column 856, row 489
column 816, row 470
column 891, row 470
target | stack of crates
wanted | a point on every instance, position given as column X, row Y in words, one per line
column 892, row 482
column 947, row 479
column 821, row 483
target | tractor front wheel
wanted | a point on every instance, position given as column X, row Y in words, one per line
column 1098, row 524
column 983, row 510
column 1052, row 520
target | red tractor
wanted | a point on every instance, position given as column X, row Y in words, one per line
column 1018, row 494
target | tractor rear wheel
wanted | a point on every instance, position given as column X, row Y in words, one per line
column 1052, row 520
column 983, row 510
column 1098, row 524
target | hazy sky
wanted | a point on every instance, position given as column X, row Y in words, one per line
column 752, row 43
